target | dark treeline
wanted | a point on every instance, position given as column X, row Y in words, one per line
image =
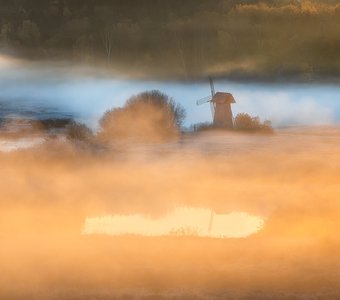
column 192, row 38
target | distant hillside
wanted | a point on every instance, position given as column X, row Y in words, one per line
column 239, row 39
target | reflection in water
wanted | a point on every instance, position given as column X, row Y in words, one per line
column 182, row 221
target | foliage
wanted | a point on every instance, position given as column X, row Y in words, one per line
column 267, row 39
column 202, row 126
column 20, row 126
column 77, row 131
column 147, row 116
column 244, row 122
column 28, row 33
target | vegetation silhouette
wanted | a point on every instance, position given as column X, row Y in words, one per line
column 239, row 39
column 243, row 122
column 149, row 116
column 78, row 132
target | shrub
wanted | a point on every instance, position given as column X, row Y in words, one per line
column 245, row 122
column 78, row 131
column 202, row 126
column 148, row 116
column 20, row 126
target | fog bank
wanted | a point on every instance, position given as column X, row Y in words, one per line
column 85, row 93
column 49, row 191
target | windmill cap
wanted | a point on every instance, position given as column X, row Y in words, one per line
column 221, row 97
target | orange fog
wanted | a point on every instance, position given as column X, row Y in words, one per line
column 289, row 180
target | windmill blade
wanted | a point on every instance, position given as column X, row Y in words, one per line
column 212, row 87
column 203, row 100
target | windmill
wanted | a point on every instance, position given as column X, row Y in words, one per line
column 220, row 104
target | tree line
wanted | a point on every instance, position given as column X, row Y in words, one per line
column 192, row 38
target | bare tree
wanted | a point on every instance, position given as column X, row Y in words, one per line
column 180, row 51
column 107, row 39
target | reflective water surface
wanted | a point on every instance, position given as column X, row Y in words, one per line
column 180, row 222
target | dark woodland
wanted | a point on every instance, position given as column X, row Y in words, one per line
column 180, row 39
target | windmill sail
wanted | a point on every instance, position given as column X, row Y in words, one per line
column 203, row 100
column 212, row 87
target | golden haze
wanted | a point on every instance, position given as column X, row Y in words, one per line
column 291, row 179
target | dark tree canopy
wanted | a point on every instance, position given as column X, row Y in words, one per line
column 192, row 38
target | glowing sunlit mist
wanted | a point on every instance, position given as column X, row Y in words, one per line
column 182, row 221
column 8, row 145
column 6, row 61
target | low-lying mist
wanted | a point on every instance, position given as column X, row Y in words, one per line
column 60, row 181
column 290, row 179
column 56, row 90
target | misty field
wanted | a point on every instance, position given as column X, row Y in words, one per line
column 157, row 149
column 290, row 179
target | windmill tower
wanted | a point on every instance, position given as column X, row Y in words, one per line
column 220, row 104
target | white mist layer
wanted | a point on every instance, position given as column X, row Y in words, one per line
column 86, row 94
column 183, row 221
column 9, row 145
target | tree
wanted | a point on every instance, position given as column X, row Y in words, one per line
column 107, row 39
column 28, row 33
column 174, row 111
column 148, row 116
column 5, row 35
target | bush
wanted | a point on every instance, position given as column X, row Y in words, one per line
column 20, row 126
column 148, row 116
column 202, row 126
column 245, row 122
column 78, row 131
